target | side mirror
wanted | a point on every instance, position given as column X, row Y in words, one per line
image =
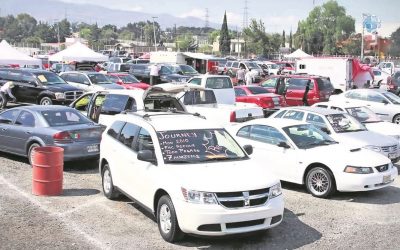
column 248, row 149
column 385, row 102
column 180, row 72
column 326, row 130
column 146, row 155
column 283, row 144
column 86, row 82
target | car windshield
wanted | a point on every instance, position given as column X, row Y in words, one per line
column 363, row 114
column 99, row 79
column 186, row 69
column 257, row 90
column 193, row 146
column 392, row 97
column 252, row 65
column 49, row 78
column 128, row 78
column 307, row 136
column 324, row 84
column 274, row 66
column 343, row 123
column 66, row 117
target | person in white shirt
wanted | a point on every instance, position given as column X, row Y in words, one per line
column 240, row 75
column 249, row 77
column 154, row 74
column 4, row 91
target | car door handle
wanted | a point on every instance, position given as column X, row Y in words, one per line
column 28, row 132
column 3, row 129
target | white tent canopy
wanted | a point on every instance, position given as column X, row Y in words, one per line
column 9, row 55
column 298, row 54
column 78, row 52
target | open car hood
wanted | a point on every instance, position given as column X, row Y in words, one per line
column 170, row 89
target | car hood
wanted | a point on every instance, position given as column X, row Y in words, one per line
column 62, row 88
column 171, row 88
column 386, row 128
column 223, row 176
column 363, row 138
column 107, row 86
column 137, row 85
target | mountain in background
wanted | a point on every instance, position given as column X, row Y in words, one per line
column 51, row 11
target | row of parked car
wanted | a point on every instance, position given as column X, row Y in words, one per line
column 168, row 146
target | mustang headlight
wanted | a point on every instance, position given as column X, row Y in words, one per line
column 198, row 197
column 275, row 190
column 358, row 170
column 59, row 95
column 374, row 148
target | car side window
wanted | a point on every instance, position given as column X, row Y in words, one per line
column 270, row 83
column 375, row 97
column 83, row 102
column 218, row 83
column 113, row 78
column 299, row 84
column 9, row 116
column 321, row 106
column 144, row 141
column 337, row 108
column 196, row 81
column 244, row 132
column 280, row 114
column 27, row 78
column 316, row 120
column 267, row 134
column 83, row 79
column 115, row 104
column 115, row 128
column 26, row 119
column 355, row 95
column 294, row 115
column 240, row 92
column 235, row 65
column 128, row 134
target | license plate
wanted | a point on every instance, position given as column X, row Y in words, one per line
column 93, row 148
column 386, row 179
column 392, row 155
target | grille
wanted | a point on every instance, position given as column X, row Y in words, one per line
column 382, row 168
column 245, row 223
column 243, row 199
column 389, row 149
column 72, row 95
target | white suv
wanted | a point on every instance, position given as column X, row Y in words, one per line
column 190, row 173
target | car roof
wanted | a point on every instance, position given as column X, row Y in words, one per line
column 165, row 121
column 272, row 122
column 28, row 70
column 338, row 104
column 322, row 111
column 39, row 108
column 368, row 90
column 138, row 93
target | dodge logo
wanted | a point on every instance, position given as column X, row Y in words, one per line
column 246, row 199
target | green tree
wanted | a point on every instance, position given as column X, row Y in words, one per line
column 64, row 28
column 256, row 38
column 324, row 29
column 224, row 39
column 290, row 41
column 184, row 42
column 45, row 33
column 395, row 43
column 283, row 39
column 212, row 37
column 352, row 46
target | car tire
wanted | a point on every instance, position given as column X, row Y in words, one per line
column 320, row 182
column 167, row 220
column 396, row 119
column 30, row 151
column 45, row 101
column 107, row 183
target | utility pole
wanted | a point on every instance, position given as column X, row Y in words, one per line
column 154, row 30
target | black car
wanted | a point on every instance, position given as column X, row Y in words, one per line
column 142, row 72
column 39, row 86
column 394, row 83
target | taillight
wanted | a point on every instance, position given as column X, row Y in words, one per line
column 120, row 82
column 65, row 137
column 233, row 116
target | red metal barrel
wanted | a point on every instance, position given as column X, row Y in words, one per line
column 47, row 170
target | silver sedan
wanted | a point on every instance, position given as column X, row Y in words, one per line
column 24, row 128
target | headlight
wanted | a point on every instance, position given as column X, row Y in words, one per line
column 358, row 170
column 198, row 197
column 275, row 191
column 374, row 148
column 59, row 95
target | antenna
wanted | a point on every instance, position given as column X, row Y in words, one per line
column 206, row 19
column 245, row 15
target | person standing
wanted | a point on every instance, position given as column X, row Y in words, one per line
column 305, row 96
column 154, row 74
column 4, row 91
column 248, row 77
column 240, row 75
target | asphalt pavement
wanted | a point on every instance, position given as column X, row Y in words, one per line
column 82, row 218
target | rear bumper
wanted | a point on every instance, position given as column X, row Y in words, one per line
column 80, row 150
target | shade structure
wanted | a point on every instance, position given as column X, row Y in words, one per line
column 298, row 54
column 78, row 52
column 9, row 55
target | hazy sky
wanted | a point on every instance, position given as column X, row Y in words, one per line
column 277, row 15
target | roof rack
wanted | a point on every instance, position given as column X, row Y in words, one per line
column 167, row 112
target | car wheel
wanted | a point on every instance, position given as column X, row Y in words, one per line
column 108, row 187
column 396, row 119
column 30, row 152
column 45, row 101
column 320, row 182
column 167, row 221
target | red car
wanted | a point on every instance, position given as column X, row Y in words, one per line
column 270, row 102
column 127, row 81
column 293, row 88
column 286, row 67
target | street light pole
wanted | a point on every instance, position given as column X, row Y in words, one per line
column 154, row 30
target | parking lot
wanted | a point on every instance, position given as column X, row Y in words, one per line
column 82, row 218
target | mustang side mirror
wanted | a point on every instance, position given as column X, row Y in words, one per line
column 248, row 149
column 283, row 144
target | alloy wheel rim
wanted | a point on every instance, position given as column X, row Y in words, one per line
column 165, row 218
column 107, row 181
column 318, row 183
column 45, row 102
column 397, row 120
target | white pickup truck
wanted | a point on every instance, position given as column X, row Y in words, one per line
column 389, row 67
column 197, row 99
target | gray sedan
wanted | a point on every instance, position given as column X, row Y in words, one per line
column 24, row 128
